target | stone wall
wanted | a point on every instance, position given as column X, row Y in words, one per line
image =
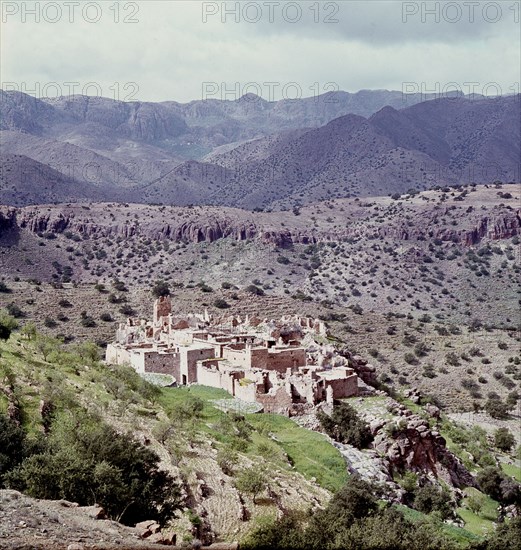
column 245, row 391
column 343, row 387
column 161, row 362
column 278, row 402
column 189, row 358
column 116, row 355
column 281, row 360
column 162, row 308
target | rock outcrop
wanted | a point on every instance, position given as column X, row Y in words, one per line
column 409, row 443
column 212, row 224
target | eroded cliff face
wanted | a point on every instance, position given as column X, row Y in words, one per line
column 409, row 444
column 502, row 224
column 209, row 225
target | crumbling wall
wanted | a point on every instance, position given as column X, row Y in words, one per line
column 161, row 362
column 343, row 387
column 277, row 401
column 162, row 308
column 245, row 391
column 281, row 360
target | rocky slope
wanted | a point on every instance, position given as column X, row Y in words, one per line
column 419, row 218
column 437, row 142
column 407, row 256
column 256, row 153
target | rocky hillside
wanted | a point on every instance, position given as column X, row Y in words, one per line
column 205, row 451
column 437, row 142
column 249, row 152
column 339, row 251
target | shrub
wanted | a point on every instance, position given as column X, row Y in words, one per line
column 127, row 310
column 14, row 310
column 119, row 286
column 410, row 359
column 7, row 324
column 253, row 289
column 221, row 303
column 344, row 425
column 452, row 359
column 161, row 288
column 504, row 439
column 497, row 409
column 12, row 441
column 4, row 288
column 87, row 321
column 431, row 497
column 89, row 462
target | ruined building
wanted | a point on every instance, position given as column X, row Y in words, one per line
column 282, row 364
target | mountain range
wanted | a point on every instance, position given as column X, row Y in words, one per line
column 252, row 153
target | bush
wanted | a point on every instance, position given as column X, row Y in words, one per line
column 497, row 409
column 87, row 321
column 88, row 462
column 344, row 425
column 452, row 359
column 12, row 441
column 221, row 303
column 432, row 498
column 119, row 286
column 504, row 439
column 7, row 324
column 489, row 480
column 14, row 310
column 4, row 288
column 253, row 289
column 127, row 310
column 161, row 288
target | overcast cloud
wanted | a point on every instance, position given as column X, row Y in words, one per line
column 173, row 50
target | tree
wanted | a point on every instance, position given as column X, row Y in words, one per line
column 507, row 535
column 46, row 345
column 29, row 330
column 345, row 425
column 489, row 480
column 161, row 288
column 504, row 439
column 12, row 439
column 251, row 481
column 432, row 498
column 88, row 462
column 497, row 408
column 227, row 459
column 7, row 324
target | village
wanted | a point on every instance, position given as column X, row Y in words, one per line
column 285, row 365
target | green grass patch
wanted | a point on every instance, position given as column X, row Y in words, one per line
column 512, row 470
column 458, row 534
column 480, row 522
column 310, row 452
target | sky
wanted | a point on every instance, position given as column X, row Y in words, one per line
column 176, row 50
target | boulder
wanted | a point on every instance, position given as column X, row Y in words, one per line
column 94, row 512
